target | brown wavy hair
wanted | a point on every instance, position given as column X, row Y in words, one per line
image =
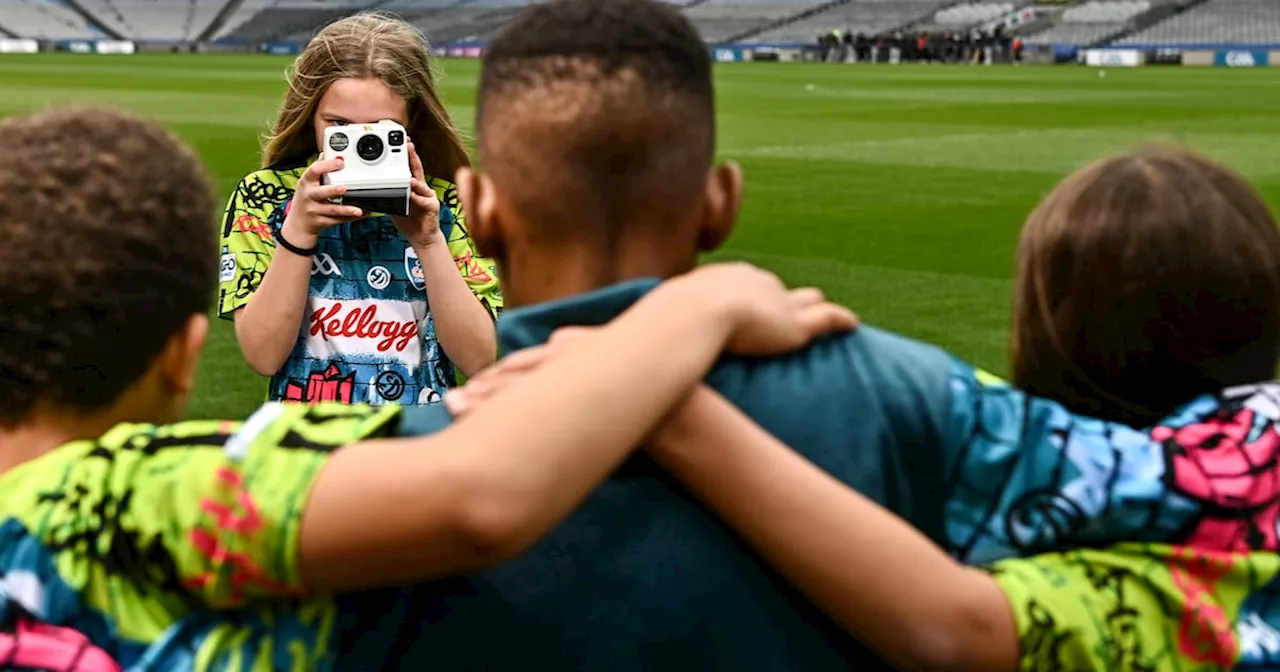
column 369, row 44
column 1143, row 281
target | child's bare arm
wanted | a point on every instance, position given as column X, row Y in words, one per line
column 885, row 582
column 481, row 491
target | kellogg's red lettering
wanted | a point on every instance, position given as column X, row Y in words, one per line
column 362, row 322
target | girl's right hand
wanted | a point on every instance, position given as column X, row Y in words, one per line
column 311, row 211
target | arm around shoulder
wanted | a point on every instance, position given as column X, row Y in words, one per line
column 881, row 579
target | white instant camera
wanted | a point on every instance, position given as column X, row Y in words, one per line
column 375, row 166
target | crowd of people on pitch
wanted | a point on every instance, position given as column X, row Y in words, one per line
column 976, row 47
column 670, row 466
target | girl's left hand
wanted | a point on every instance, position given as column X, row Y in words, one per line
column 422, row 226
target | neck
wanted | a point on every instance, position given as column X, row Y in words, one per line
column 45, row 432
column 537, row 276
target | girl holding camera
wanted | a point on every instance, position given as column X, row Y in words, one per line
column 336, row 303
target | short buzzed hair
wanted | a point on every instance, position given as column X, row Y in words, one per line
column 107, row 248
column 595, row 114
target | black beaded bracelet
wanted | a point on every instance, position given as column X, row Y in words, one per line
column 300, row 251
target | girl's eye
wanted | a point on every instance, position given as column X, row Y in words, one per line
column 338, row 122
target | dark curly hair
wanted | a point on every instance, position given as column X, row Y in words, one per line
column 106, row 250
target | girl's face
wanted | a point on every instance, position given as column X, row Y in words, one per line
column 366, row 100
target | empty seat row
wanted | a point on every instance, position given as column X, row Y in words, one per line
column 1216, row 22
column 970, row 14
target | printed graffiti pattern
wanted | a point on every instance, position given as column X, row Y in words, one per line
column 1029, row 477
column 471, row 269
column 31, row 645
column 1229, row 465
column 94, row 528
column 255, row 194
column 235, row 518
column 131, row 541
column 250, row 224
column 258, row 194
column 247, row 283
column 1204, row 632
column 1137, row 607
column 93, row 525
column 327, row 385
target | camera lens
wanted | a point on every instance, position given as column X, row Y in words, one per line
column 369, row 147
column 395, row 138
column 338, row 142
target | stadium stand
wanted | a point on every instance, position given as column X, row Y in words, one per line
column 155, row 20
column 475, row 20
column 971, row 14
column 869, row 17
column 1091, row 22
column 1216, row 22
column 261, row 20
column 44, row 19
column 720, row 20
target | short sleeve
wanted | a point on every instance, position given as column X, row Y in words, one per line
column 248, row 241
column 213, row 509
column 1132, row 606
column 480, row 273
column 1026, row 476
column 1052, row 611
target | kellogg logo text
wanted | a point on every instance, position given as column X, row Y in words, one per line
column 362, row 322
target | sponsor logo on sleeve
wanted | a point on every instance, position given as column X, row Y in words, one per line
column 227, row 267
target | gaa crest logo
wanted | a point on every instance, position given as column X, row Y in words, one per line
column 413, row 269
column 1240, row 59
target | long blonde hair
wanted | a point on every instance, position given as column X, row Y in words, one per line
column 369, row 44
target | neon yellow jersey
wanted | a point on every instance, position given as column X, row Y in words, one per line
column 176, row 547
column 368, row 335
column 1144, row 608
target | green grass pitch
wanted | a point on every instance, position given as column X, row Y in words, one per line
column 900, row 190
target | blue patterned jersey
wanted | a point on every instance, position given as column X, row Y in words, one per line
column 367, row 335
column 1028, row 477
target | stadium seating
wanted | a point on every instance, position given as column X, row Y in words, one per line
column 1091, row 22
column 719, row 20
column 259, row 20
column 971, row 14
column 1217, row 22
column 156, row 20
column 474, row 20
column 43, row 19
column 869, row 17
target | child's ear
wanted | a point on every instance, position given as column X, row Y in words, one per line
column 181, row 356
column 480, row 203
column 723, row 202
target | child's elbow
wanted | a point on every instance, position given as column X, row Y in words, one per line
column 494, row 523
column 969, row 640
column 492, row 533
column 936, row 649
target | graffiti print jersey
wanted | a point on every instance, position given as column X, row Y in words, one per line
column 1028, row 477
column 367, row 335
column 1194, row 499
column 1145, row 608
column 157, row 542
